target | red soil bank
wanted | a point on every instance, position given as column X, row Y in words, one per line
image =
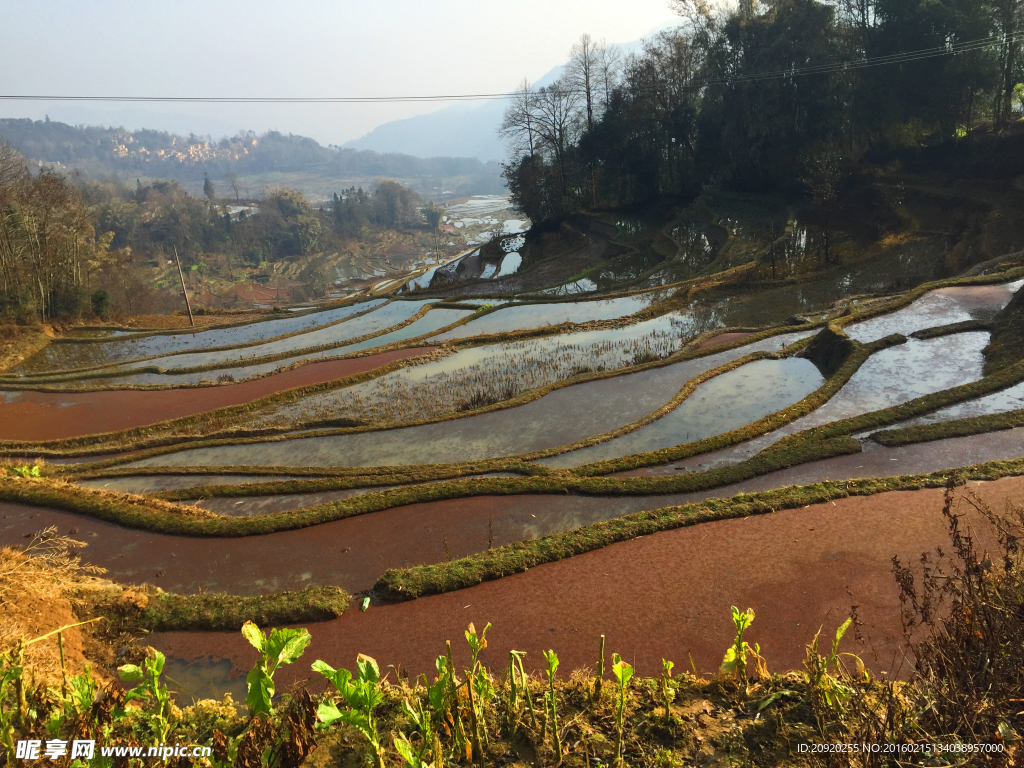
column 57, row 415
column 660, row 596
column 724, row 338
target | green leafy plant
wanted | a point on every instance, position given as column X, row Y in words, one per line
column 154, row 693
column 11, row 673
column 668, row 692
column 283, row 646
column 734, row 665
column 25, row 471
column 362, row 694
column 623, row 674
column 416, row 757
column 825, row 674
column 515, row 667
column 479, row 686
column 552, row 659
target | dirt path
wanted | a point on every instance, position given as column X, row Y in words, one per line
column 661, row 596
column 56, row 415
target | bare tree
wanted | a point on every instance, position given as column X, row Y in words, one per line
column 518, row 126
column 582, row 70
column 609, row 68
column 232, row 179
column 557, row 122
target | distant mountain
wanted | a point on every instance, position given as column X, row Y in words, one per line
column 269, row 159
column 464, row 129
column 461, row 129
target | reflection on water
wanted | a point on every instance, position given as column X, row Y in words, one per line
column 492, row 372
column 151, row 483
column 192, row 681
column 538, row 315
column 437, row 318
column 64, row 356
column 1010, row 399
column 722, row 404
column 388, row 315
column 935, row 308
column 889, row 377
column 560, row 417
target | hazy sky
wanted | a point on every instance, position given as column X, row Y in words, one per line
column 291, row 48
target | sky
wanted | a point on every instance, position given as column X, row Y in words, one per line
column 293, row 48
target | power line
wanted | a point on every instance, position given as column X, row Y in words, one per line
column 853, row 64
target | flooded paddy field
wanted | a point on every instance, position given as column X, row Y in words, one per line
column 150, row 483
column 940, row 307
column 724, row 403
column 539, row 315
column 1009, row 399
column 353, row 552
column 558, row 418
column 393, row 313
column 492, row 373
column 889, row 377
column 28, row 415
column 55, row 357
column 636, row 595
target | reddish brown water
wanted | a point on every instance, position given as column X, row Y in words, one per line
column 661, row 596
column 57, row 415
column 353, row 553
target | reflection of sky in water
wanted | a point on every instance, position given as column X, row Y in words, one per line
column 558, row 418
column 72, row 355
column 539, row 315
column 724, row 403
column 1009, row 399
column 437, row 318
column 391, row 314
column 149, row 483
column 889, row 377
column 940, row 307
column 609, row 349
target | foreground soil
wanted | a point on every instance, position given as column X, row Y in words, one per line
column 57, row 415
column 661, row 596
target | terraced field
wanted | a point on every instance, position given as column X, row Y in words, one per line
column 457, row 459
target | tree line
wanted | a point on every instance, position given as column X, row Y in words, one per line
column 764, row 96
column 71, row 246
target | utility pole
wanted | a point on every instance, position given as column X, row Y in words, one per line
column 181, row 277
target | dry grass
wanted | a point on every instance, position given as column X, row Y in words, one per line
column 20, row 342
column 38, row 588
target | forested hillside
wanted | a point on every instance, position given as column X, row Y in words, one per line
column 239, row 160
column 71, row 247
column 784, row 96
